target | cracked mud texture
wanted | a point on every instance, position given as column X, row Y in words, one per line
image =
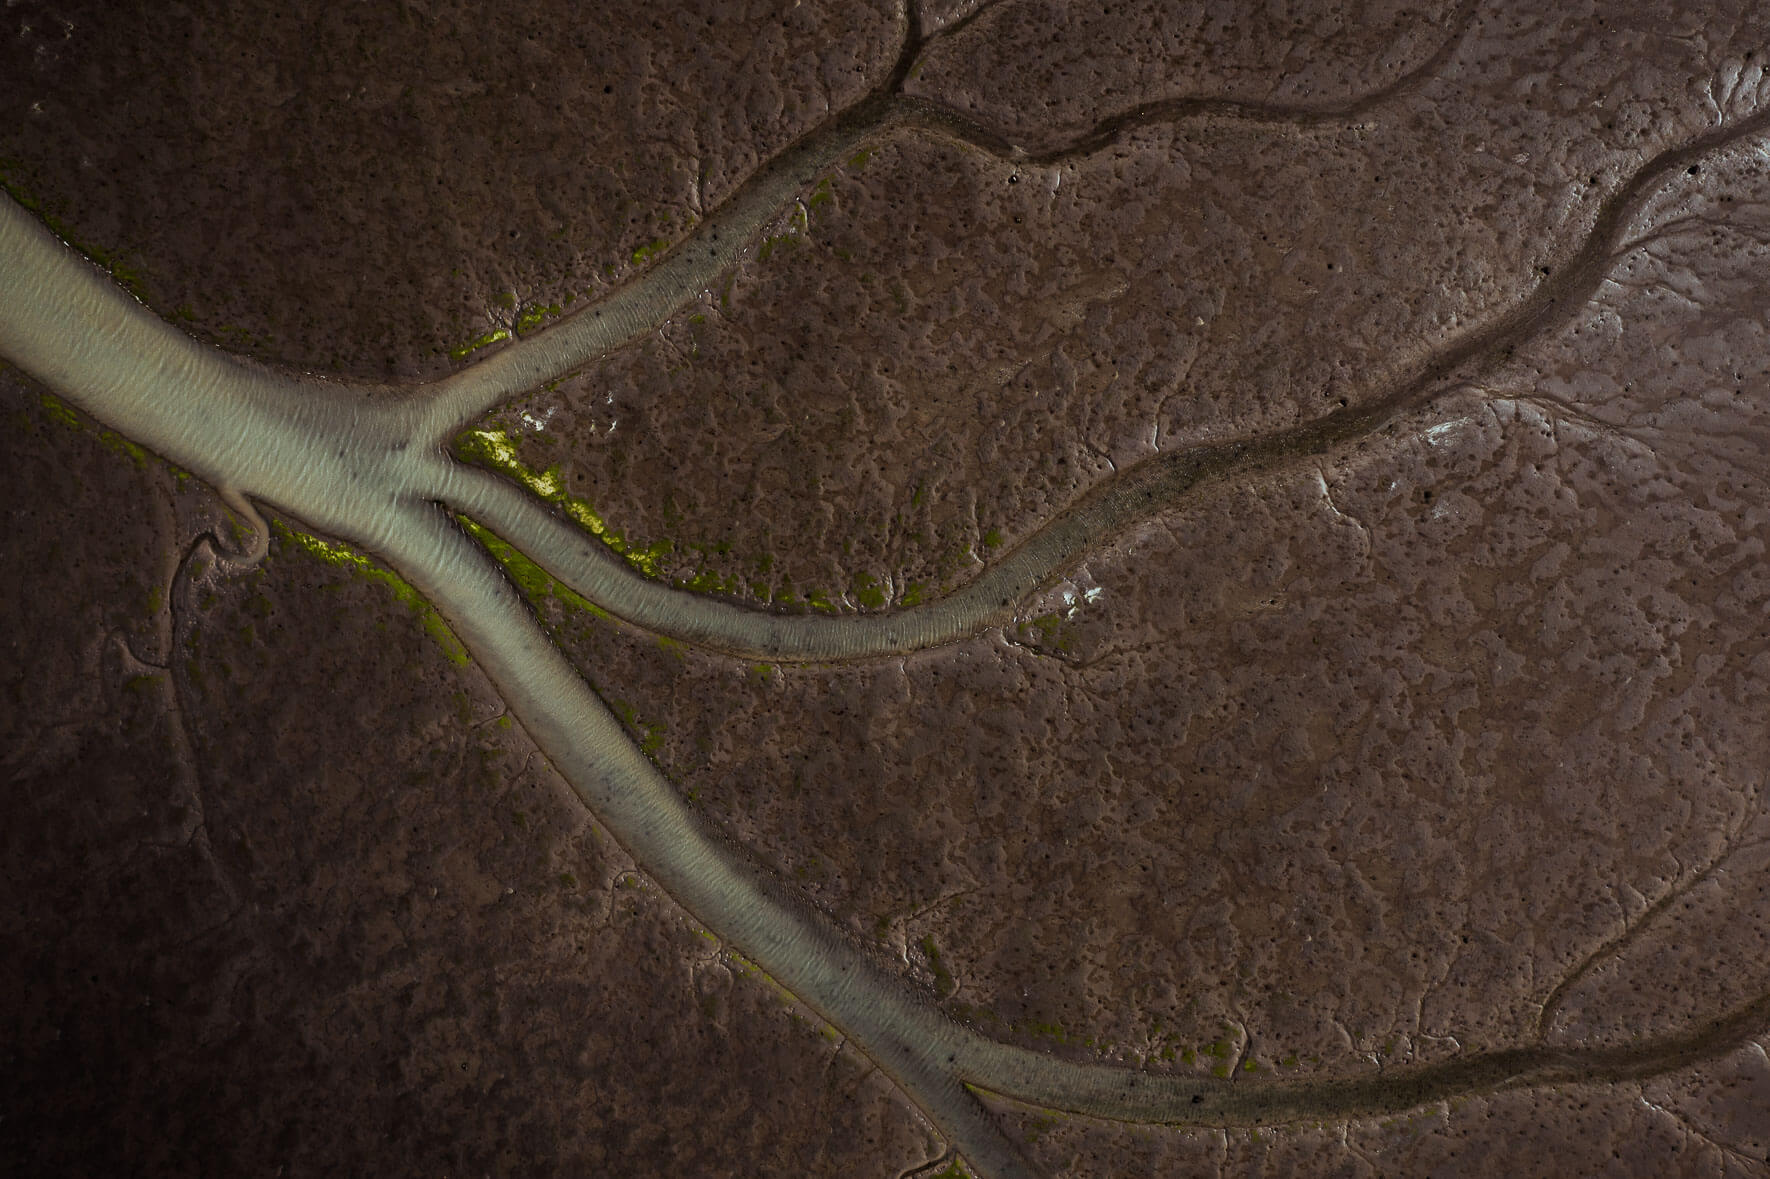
column 1446, row 739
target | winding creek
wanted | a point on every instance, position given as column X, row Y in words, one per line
column 368, row 465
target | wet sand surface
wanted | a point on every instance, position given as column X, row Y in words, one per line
column 1433, row 736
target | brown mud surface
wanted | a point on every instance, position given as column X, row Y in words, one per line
column 1438, row 736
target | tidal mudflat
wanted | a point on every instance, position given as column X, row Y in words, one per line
column 992, row 589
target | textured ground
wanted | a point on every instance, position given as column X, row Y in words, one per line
column 1448, row 738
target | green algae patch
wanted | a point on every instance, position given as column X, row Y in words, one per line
column 708, row 582
column 955, row 1170
column 1223, row 1052
column 534, row 317
column 60, row 411
column 750, row 970
column 496, row 450
column 788, row 999
column 134, row 452
column 869, row 592
column 403, row 592
column 649, row 251
column 113, row 262
column 530, row 578
column 1047, row 634
column 478, row 342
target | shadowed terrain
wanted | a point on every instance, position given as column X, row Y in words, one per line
column 1228, row 547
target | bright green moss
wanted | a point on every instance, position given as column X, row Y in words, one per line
column 115, row 441
column 478, row 342
column 495, row 449
column 534, row 317
column 61, row 411
column 868, row 592
column 708, row 582
column 126, row 274
column 1049, row 630
column 649, row 251
column 749, row 969
column 530, row 578
column 403, row 592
